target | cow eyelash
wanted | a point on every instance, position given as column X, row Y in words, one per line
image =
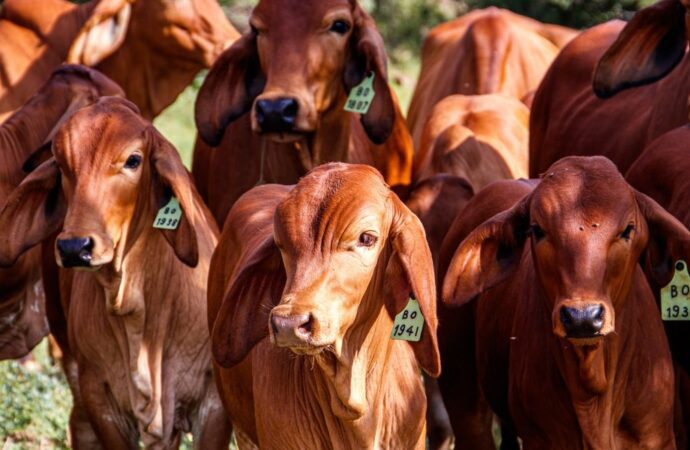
column 340, row 27
column 627, row 233
column 133, row 162
column 367, row 240
column 536, row 231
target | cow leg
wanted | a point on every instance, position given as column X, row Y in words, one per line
column 111, row 427
column 213, row 429
column 439, row 431
column 469, row 413
column 509, row 438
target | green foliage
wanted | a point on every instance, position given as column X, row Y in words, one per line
column 34, row 404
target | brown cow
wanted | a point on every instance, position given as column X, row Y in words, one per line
column 280, row 92
column 649, row 52
column 322, row 268
column 136, row 302
column 481, row 138
column 152, row 48
column 483, row 52
column 569, row 341
column 22, row 308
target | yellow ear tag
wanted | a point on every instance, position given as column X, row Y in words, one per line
column 361, row 96
column 675, row 297
column 169, row 216
column 409, row 324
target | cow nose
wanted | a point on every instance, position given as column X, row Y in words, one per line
column 277, row 116
column 75, row 252
column 582, row 322
column 291, row 331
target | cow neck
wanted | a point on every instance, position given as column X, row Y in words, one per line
column 355, row 378
column 146, row 76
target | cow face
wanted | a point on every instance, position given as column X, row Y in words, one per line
column 110, row 175
column 650, row 46
column 587, row 230
column 344, row 258
column 298, row 64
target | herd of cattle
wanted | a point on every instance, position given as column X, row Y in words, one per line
column 286, row 289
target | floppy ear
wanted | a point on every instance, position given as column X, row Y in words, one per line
column 368, row 54
column 487, row 256
column 33, row 212
column 170, row 177
column 669, row 240
column 242, row 321
column 647, row 49
column 229, row 90
column 410, row 271
column 102, row 34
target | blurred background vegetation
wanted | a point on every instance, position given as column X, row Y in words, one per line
column 34, row 398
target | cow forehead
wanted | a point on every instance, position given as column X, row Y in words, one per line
column 301, row 12
column 98, row 133
column 583, row 190
column 328, row 201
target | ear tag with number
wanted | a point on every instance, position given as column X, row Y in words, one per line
column 409, row 324
column 675, row 297
column 169, row 216
column 361, row 96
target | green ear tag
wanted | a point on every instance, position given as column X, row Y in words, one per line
column 675, row 298
column 361, row 96
column 409, row 324
column 169, row 216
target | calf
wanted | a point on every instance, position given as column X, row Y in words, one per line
column 280, row 93
column 135, row 301
column 22, row 304
column 569, row 341
column 322, row 268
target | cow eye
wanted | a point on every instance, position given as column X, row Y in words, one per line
column 133, row 162
column 537, row 232
column 627, row 233
column 367, row 240
column 340, row 26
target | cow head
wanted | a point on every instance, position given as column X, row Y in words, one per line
column 351, row 252
column 299, row 62
column 110, row 174
column 648, row 48
column 587, row 229
column 192, row 30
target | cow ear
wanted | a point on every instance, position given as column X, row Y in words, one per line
column 368, row 55
column 669, row 240
column 33, row 212
column 229, row 90
column 647, row 49
column 171, row 178
column 102, row 34
column 242, row 320
column 410, row 272
column 487, row 256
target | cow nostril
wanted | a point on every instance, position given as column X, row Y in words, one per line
column 261, row 112
column 290, row 109
column 566, row 317
column 306, row 327
column 75, row 252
